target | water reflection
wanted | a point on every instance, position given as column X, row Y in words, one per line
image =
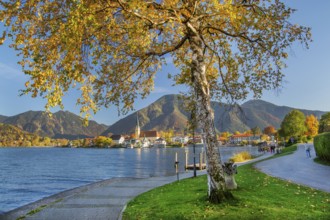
column 29, row 174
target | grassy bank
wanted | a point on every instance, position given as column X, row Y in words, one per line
column 258, row 197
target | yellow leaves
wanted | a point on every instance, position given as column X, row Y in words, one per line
column 285, row 55
column 110, row 51
column 2, row 39
column 312, row 125
column 171, row 3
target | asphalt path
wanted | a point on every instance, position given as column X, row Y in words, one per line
column 298, row 168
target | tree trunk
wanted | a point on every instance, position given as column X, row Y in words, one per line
column 217, row 191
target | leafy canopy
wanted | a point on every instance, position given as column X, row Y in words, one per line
column 324, row 125
column 111, row 50
column 312, row 125
column 269, row 130
column 293, row 124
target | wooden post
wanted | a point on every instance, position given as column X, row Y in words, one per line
column 186, row 157
column 200, row 161
column 176, row 165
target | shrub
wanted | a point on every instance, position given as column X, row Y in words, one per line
column 322, row 146
column 244, row 143
column 240, row 157
column 254, row 143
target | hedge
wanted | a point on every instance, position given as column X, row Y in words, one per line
column 322, row 146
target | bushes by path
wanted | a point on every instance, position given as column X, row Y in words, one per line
column 322, row 146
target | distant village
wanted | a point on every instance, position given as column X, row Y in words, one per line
column 137, row 139
column 153, row 138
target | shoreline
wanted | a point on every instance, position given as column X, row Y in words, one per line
column 25, row 209
column 98, row 200
column 64, row 195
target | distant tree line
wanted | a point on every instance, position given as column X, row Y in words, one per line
column 11, row 136
column 298, row 127
column 295, row 126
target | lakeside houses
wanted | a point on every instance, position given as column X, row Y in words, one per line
column 239, row 138
column 152, row 138
column 222, row 140
column 180, row 139
column 160, row 142
column 118, row 139
column 149, row 138
column 197, row 140
column 141, row 138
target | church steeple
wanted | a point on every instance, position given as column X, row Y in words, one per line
column 137, row 128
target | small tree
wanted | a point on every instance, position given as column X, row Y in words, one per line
column 312, row 125
column 293, row 124
column 256, row 131
column 325, row 123
column 269, row 130
column 225, row 135
column 167, row 135
column 102, row 141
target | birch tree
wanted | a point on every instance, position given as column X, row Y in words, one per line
column 110, row 50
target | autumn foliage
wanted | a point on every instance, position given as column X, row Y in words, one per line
column 111, row 51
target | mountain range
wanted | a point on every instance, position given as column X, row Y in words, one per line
column 62, row 124
column 168, row 113
column 164, row 114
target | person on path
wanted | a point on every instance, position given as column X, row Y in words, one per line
column 308, row 150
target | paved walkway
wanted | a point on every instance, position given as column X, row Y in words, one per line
column 103, row 200
column 106, row 199
column 298, row 168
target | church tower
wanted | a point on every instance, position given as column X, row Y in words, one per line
column 137, row 128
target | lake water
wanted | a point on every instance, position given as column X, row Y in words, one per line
column 30, row 174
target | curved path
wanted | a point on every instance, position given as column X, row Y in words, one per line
column 298, row 168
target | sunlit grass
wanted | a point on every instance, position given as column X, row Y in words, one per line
column 258, row 197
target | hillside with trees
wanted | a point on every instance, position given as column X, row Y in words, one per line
column 15, row 137
column 2, row 118
column 168, row 113
column 62, row 124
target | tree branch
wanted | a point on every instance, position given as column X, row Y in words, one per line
column 154, row 53
column 240, row 35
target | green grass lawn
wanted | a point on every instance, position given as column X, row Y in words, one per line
column 258, row 197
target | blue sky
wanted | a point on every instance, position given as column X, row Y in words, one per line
column 306, row 83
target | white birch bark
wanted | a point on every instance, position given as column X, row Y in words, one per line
column 205, row 119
